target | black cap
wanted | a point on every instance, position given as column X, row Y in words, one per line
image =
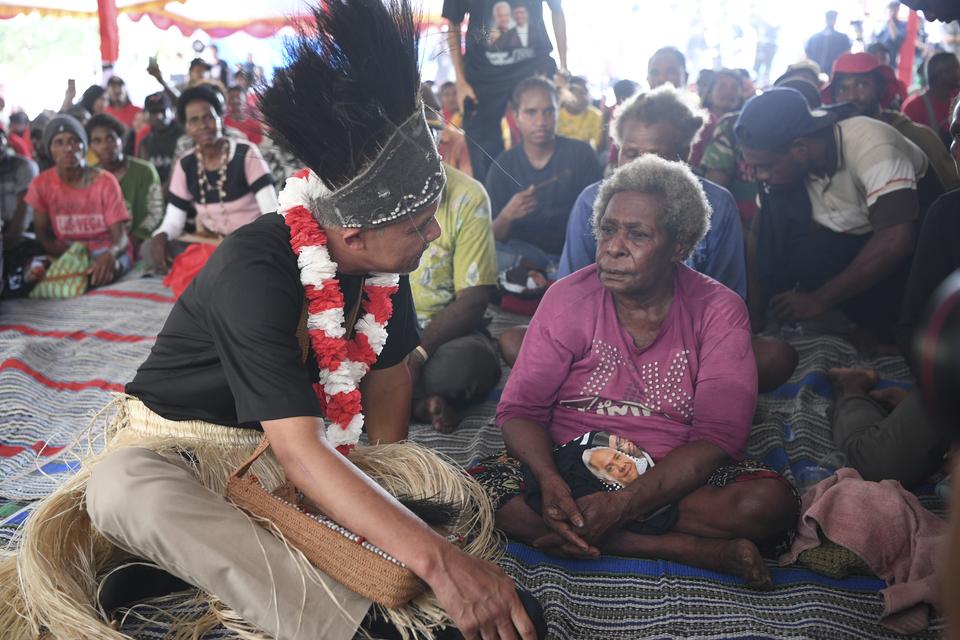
column 777, row 117
column 156, row 102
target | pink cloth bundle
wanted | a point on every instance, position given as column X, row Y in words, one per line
column 889, row 529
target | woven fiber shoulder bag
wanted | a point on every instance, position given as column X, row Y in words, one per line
column 344, row 556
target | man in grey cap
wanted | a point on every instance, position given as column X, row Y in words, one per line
column 838, row 210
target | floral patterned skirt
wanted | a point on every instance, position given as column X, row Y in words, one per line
column 502, row 478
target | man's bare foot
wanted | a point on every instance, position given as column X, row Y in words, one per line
column 853, row 379
column 438, row 412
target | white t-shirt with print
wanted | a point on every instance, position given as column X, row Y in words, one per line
column 874, row 160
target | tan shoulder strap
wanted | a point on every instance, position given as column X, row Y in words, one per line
column 302, row 336
column 242, row 469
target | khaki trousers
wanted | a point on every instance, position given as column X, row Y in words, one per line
column 153, row 506
column 905, row 444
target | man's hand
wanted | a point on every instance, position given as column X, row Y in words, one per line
column 104, row 270
column 158, row 251
column 562, row 516
column 796, row 305
column 522, row 204
column 153, row 69
column 464, row 91
column 480, row 598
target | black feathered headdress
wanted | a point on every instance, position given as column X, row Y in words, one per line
column 348, row 107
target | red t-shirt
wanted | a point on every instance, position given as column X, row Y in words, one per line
column 19, row 146
column 250, row 128
column 124, row 114
column 142, row 133
column 79, row 215
column 915, row 109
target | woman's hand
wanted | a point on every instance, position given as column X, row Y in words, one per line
column 603, row 513
column 480, row 598
column 563, row 517
column 105, row 269
column 158, row 251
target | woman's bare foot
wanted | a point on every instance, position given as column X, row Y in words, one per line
column 741, row 557
column 738, row 557
column 438, row 413
column 853, row 379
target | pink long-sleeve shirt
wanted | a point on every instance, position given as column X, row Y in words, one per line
column 579, row 370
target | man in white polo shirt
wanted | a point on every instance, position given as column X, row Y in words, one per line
column 839, row 210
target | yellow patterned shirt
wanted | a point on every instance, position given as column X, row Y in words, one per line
column 586, row 126
column 464, row 256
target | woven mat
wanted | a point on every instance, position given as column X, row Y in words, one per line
column 62, row 360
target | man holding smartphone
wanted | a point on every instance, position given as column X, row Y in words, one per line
column 494, row 63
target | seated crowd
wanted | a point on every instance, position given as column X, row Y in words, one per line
column 666, row 251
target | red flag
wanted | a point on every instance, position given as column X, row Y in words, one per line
column 109, row 33
column 908, row 50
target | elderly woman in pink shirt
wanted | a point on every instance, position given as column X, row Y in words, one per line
column 642, row 347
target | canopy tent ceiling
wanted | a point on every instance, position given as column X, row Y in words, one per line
column 218, row 18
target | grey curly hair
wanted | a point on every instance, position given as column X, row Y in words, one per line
column 663, row 104
column 686, row 212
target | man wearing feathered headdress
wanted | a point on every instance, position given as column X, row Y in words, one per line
column 298, row 325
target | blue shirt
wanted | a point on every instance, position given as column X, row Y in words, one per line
column 718, row 255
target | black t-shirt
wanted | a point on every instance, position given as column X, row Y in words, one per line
column 505, row 42
column 159, row 146
column 236, row 184
column 572, row 167
column 228, row 353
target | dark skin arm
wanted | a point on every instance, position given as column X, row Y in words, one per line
column 464, row 90
column 16, row 224
column 458, row 318
column 386, row 403
column 883, row 252
column 105, row 267
column 677, row 475
column 559, row 21
column 756, row 296
column 522, row 204
column 51, row 244
column 528, row 442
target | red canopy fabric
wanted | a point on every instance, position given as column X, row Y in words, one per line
column 109, row 32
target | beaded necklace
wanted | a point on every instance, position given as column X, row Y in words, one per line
column 219, row 186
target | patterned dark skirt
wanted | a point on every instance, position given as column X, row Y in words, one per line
column 502, row 478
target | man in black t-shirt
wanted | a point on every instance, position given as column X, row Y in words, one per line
column 505, row 43
column 159, row 146
column 239, row 354
column 535, row 184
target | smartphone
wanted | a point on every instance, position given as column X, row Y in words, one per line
column 72, row 84
column 153, row 61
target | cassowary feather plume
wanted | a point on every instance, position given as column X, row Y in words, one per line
column 351, row 79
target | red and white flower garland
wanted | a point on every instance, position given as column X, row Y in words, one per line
column 342, row 362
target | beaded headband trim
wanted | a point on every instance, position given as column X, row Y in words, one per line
column 405, row 177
